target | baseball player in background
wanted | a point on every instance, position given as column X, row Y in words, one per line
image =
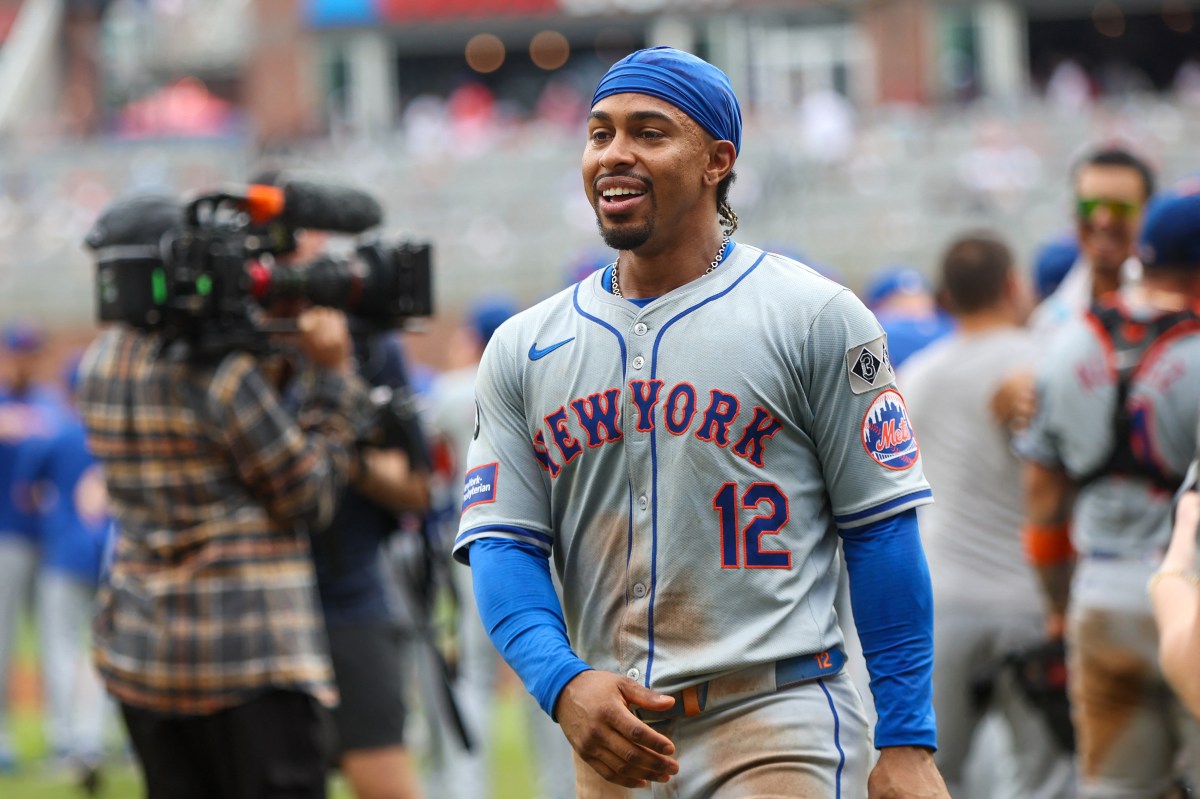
column 985, row 596
column 1109, row 444
column 28, row 413
column 1111, row 187
column 686, row 433
column 455, row 771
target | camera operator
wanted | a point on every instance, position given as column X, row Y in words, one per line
column 366, row 638
column 209, row 632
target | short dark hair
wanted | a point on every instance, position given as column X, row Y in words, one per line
column 1119, row 157
column 975, row 272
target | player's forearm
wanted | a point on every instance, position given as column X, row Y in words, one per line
column 1176, row 605
column 521, row 613
column 1049, row 494
column 1175, row 598
column 1049, row 499
column 892, row 599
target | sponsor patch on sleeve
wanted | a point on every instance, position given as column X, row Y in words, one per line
column 868, row 366
column 887, row 435
column 479, row 486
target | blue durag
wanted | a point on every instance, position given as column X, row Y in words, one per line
column 691, row 84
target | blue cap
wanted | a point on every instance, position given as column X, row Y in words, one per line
column 23, row 337
column 1052, row 261
column 691, row 84
column 1171, row 229
column 895, row 280
column 488, row 314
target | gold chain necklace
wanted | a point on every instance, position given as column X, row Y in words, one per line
column 616, row 288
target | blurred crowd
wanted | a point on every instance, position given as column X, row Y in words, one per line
column 1040, row 542
column 914, row 176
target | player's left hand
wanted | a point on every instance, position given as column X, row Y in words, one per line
column 906, row 772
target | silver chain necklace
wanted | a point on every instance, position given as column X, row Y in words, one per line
column 616, row 288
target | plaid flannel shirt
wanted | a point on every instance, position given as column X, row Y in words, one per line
column 215, row 486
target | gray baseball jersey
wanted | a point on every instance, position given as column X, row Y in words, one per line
column 687, row 463
column 1073, row 429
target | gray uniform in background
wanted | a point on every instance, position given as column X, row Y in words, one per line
column 987, row 603
column 456, row 772
column 1129, row 725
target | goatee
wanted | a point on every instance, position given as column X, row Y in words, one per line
column 624, row 238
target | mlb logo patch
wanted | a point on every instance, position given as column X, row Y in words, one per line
column 887, row 435
column 479, row 486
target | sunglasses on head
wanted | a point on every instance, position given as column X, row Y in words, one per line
column 1087, row 207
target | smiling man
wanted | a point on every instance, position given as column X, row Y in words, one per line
column 687, row 432
column 1111, row 188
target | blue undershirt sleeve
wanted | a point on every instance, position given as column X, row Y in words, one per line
column 523, row 617
column 892, row 600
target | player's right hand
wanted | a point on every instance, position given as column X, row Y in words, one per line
column 594, row 711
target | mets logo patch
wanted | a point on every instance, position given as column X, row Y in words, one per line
column 887, row 435
column 479, row 486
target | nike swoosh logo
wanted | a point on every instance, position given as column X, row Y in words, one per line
column 535, row 353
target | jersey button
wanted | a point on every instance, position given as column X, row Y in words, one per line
column 633, row 674
column 640, row 329
column 639, row 590
column 643, row 503
column 639, row 362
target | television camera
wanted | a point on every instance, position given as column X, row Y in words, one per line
column 201, row 274
column 204, row 278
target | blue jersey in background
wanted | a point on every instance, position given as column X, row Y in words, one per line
column 75, row 520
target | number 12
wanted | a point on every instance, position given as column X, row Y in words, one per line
column 768, row 522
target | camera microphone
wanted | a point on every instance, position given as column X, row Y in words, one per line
column 299, row 204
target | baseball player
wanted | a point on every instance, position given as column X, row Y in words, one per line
column 1108, row 446
column 986, row 600
column 77, row 530
column 1111, row 187
column 685, row 433
column 457, row 772
column 29, row 412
